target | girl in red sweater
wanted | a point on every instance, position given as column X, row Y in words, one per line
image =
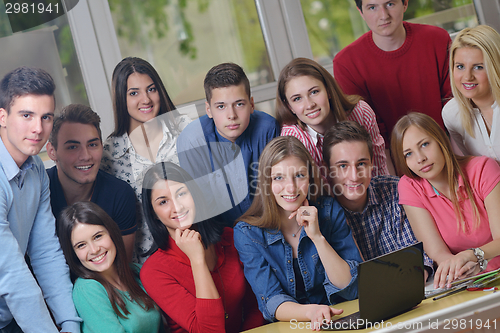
column 195, row 275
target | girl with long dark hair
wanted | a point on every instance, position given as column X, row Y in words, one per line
column 107, row 293
column 195, row 275
column 146, row 130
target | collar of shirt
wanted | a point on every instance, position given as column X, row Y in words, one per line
column 373, row 200
column 488, row 138
column 314, row 135
column 122, row 144
column 12, row 171
column 239, row 141
column 430, row 191
column 220, row 138
column 494, row 107
column 274, row 235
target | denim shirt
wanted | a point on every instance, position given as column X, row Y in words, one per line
column 268, row 261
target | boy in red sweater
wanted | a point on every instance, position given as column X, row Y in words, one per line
column 396, row 67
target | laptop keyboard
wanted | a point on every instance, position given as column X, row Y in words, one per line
column 349, row 322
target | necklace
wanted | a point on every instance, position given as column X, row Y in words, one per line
column 223, row 294
column 295, row 234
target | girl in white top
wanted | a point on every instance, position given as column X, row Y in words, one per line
column 146, row 130
column 471, row 117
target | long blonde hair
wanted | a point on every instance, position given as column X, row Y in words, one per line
column 265, row 211
column 453, row 163
column 487, row 40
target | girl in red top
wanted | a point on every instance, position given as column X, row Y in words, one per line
column 195, row 275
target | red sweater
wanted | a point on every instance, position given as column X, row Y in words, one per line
column 168, row 279
column 414, row 77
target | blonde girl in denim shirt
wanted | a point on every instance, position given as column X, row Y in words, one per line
column 297, row 250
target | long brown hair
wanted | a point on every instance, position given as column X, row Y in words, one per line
column 341, row 105
column 87, row 212
column 453, row 163
column 264, row 211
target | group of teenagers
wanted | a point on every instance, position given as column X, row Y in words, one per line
column 237, row 218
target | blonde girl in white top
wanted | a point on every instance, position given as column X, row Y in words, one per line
column 471, row 117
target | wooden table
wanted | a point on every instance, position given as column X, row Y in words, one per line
column 466, row 311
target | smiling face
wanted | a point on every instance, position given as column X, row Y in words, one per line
column 94, row 247
column 26, row 128
column 308, row 100
column 230, row 108
column 384, row 17
column 423, row 155
column 470, row 76
column 350, row 172
column 79, row 152
column 173, row 204
column 143, row 100
column 290, row 183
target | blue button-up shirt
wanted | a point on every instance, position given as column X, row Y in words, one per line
column 226, row 171
column 268, row 261
column 27, row 225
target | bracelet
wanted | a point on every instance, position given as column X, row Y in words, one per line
column 480, row 258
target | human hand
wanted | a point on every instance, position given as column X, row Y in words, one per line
column 307, row 216
column 469, row 269
column 454, row 268
column 189, row 241
column 319, row 314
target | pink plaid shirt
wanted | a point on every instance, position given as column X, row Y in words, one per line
column 363, row 115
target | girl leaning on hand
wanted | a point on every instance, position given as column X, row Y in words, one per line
column 297, row 250
column 195, row 275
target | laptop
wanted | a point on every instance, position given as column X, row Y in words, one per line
column 387, row 286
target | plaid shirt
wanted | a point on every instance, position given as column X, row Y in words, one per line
column 382, row 226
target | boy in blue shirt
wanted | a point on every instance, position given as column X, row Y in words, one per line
column 26, row 221
column 221, row 149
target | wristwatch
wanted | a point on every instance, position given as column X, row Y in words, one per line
column 480, row 258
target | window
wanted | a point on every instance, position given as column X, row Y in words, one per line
column 184, row 39
column 49, row 46
column 83, row 46
column 334, row 24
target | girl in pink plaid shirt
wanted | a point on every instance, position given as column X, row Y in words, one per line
column 309, row 101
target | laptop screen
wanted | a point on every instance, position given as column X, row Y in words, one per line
column 391, row 284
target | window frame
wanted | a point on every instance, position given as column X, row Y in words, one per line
column 283, row 27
